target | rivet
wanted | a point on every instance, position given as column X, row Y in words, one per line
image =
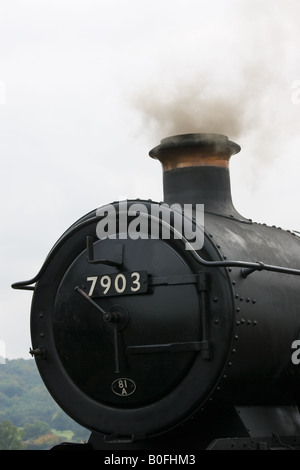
column 233, row 351
column 248, row 322
column 255, row 323
column 217, row 321
column 215, row 299
column 42, row 335
column 233, row 283
column 242, row 321
column 238, row 309
column 237, row 323
column 241, row 299
column 253, row 301
column 236, row 337
column 229, row 364
column 236, row 296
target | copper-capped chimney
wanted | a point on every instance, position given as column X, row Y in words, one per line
column 196, row 171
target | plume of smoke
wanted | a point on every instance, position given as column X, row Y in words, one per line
column 191, row 106
column 240, row 85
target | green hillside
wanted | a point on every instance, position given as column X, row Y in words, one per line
column 29, row 417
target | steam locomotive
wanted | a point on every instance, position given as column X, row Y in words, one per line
column 174, row 324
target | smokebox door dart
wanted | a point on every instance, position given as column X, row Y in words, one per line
column 118, row 317
column 173, row 324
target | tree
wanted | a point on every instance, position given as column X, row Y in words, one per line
column 10, row 436
column 35, row 429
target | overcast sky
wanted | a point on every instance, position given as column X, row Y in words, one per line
column 88, row 87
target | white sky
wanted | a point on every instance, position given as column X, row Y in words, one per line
column 88, row 87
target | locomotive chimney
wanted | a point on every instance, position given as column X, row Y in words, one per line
column 196, row 171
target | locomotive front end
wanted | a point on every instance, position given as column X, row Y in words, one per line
column 158, row 325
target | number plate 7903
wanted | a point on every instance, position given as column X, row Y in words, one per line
column 126, row 283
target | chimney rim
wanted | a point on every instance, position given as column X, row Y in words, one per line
column 211, row 141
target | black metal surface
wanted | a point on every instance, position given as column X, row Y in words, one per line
column 213, row 189
column 116, row 259
column 211, row 142
column 81, row 346
column 196, row 353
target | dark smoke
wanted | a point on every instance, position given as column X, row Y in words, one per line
column 191, row 107
column 240, row 86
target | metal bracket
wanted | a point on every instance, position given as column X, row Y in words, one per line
column 173, row 280
column 169, row 347
column 246, row 271
column 116, row 260
column 39, row 352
